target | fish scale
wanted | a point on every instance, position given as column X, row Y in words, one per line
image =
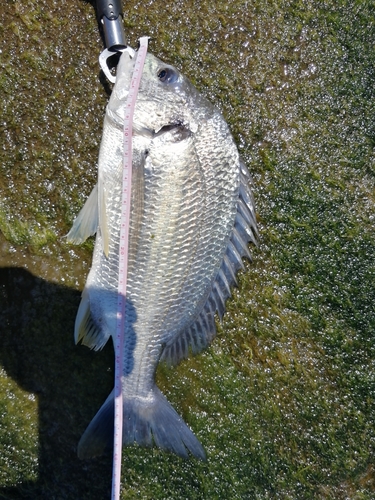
column 192, row 215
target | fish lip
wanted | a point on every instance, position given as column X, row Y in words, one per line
column 144, row 131
column 169, row 127
column 140, row 130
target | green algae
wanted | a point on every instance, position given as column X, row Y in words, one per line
column 18, row 434
column 283, row 401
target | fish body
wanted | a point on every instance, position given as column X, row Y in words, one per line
column 192, row 216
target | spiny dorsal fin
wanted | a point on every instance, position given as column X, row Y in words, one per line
column 202, row 330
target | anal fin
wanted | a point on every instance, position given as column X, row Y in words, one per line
column 85, row 329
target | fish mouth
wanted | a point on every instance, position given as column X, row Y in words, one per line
column 176, row 130
column 168, row 128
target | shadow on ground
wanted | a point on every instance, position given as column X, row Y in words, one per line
column 37, row 350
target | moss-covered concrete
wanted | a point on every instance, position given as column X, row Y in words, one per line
column 283, row 401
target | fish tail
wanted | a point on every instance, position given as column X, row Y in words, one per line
column 147, row 421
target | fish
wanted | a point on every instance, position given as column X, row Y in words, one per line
column 192, row 217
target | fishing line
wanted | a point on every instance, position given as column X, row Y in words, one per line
column 123, row 264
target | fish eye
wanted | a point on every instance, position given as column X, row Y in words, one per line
column 167, row 75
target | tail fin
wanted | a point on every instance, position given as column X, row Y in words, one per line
column 146, row 420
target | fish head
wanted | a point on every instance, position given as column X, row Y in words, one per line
column 166, row 99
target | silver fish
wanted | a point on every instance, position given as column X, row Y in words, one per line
column 192, row 216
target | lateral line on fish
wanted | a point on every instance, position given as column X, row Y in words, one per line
column 123, row 264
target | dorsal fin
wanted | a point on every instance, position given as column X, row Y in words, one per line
column 202, row 330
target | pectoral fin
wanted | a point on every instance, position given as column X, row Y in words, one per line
column 86, row 222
